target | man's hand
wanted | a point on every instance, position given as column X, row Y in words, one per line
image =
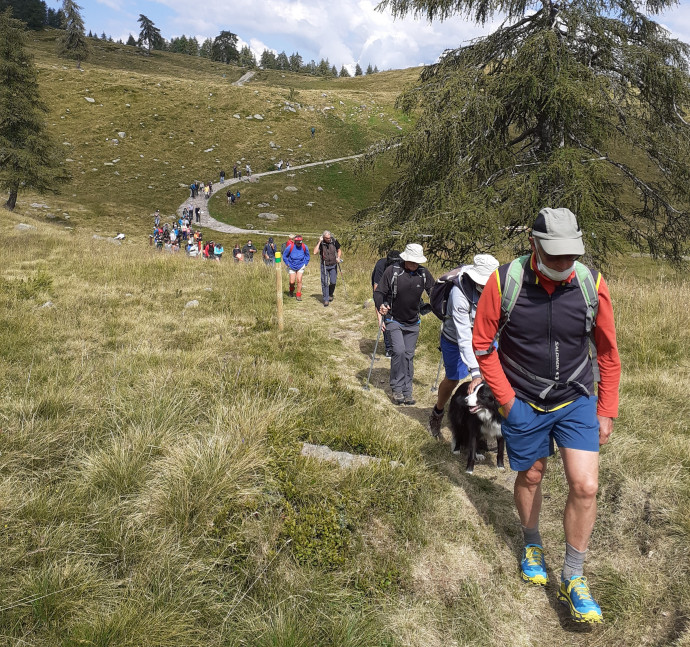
column 605, row 429
column 505, row 409
column 476, row 381
column 384, row 309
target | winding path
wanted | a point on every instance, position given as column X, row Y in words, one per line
column 211, row 223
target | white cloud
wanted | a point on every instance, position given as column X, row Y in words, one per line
column 344, row 31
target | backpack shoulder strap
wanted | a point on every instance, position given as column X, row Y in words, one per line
column 590, row 293
column 511, row 290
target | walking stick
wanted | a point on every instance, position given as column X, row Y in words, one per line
column 342, row 279
column 373, row 356
column 438, row 373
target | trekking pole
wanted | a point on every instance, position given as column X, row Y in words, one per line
column 342, row 279
column 438, row 374
column 373, row 356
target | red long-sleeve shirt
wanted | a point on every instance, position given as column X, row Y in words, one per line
column 486, row 326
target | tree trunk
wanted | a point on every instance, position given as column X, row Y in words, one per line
column 12, row 200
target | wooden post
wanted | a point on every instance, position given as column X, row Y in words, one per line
column 279, row 292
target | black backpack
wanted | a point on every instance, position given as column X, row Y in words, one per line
column 438, row 299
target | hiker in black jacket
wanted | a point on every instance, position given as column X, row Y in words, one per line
column 392, row 258
column 397, row 297
column 329, row 249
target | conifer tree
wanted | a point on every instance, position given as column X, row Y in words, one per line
column 130, row 41
column 296, row 63
column 224, row 48
column 334, row 71
column 580, row 105
column 268, row 60
column 150, row 35
column 282, row 61
column 344, row 72
column 72, row 43
column 358, row 70
column 247, row 58
column 370, row 70
column 29, row 158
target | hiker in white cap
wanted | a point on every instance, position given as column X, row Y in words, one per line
column 456, row 333
column 398, row 297
column 557, row 340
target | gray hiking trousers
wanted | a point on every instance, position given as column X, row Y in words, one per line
column 329, row 276
column 403, row 341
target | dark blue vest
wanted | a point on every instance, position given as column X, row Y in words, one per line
column 547, row 336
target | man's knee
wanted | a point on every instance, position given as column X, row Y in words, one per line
column 533, row 476
column 585, row 487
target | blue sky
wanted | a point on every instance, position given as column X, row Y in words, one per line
column 344, row 31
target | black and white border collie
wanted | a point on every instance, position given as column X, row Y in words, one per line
column 474, row 422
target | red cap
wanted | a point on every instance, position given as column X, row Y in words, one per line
column 298, row 238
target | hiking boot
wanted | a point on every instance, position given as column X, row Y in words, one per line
column 389, row 353
column 298, row 298
column 325, row 303
column 533, row 566
column 434, row 425
column 398, row 398
column 331, row 297
column 410, row 400
column 574, row 593
column 291, row 294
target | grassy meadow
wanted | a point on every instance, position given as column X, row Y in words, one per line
column 152, row 487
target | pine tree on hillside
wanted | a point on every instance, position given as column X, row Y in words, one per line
column 324, row 67
column 150, row 35
column 205, row 49
column 268, row 60
column 29, row 159
column 55, row 18
column 370, row 70
column 130, row 41
column 333, row 71
column 224, row 48
column 296, row 63
column 376, row 69
column 72, row 43
column 282, row 62
column 31, row 12
column 580, row 105
column 247, row 58
column 344, row 72
column 358, row 70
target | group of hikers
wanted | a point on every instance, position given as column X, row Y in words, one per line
column 539, row 332
column 197, row 188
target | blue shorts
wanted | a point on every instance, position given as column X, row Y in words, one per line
column 530, row 434
column 455, row 367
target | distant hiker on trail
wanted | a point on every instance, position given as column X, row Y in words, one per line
column 269, row 252
column 207, row 193
column 279, row 165
column 329, row 249
column 197, row 213
column 397, row 298
column 248, row 170
column 234, row 171
column 218, row 250
column 237, row 195
column 296, row 258
column 156, row 218
column 456, row 334
column 222, row 177
column 392, row 258
column 230, row 195
column 192, row 190
column 249, row 250
column 313, row 132
column 237, row 253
